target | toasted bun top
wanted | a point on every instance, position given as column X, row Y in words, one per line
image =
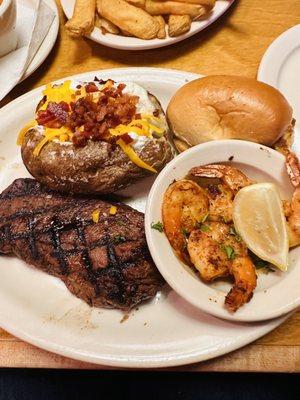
column 227, row 107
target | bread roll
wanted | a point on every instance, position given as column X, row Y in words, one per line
column 227, row 107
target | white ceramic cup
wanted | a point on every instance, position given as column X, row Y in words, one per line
column 8, row 33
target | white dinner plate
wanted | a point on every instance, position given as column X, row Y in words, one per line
column 38, row 308
column 23, row 6
column 132, row 43
column 277, row 293
column 280, row 68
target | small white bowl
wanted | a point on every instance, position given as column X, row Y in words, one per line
column 277, row 293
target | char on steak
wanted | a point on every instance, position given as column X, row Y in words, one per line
column 106, row 264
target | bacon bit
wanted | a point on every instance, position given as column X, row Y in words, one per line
column 78, row 86
column 121, row 86
column 113, row 210
column 126, row 138
column 55, row 115
column 95, row 118
column 95, row 216
column 156, row 113
column 101, row 81
column 91, row 87
column 59, row 110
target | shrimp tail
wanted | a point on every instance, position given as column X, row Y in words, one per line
column 245, row 277
column 237, row 296
column 293, row 168
column 231, row 176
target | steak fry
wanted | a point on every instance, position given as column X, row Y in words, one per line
column 179, row 24
column 129, row 18
column 106, row 264
column 83, row 19
column 174, row 7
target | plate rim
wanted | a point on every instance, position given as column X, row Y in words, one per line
column 142, row 45
column 138, row 361
column 132, row 362
column 268, row 71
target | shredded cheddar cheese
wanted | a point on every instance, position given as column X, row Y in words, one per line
column 51, row 134
column 141, row 127
column 128, row 150
column 113, row 210
column 24, row 130
column 95, row 216
column 58, row 93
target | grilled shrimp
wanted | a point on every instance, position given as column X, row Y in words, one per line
column 245, row 278
column 185, row 203
column 205, row 251
column 292, row 209
column 216, row 253
column 220, row 202
column 230, row 176
column 221, row 195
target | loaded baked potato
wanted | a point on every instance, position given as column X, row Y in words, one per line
column 96, row 137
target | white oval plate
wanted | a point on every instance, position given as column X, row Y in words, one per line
column 280, row 68
column 49, row 41
column 277, row 293
column 132, row 43
column 39, row 309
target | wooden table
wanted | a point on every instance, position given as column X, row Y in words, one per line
column 233, row 45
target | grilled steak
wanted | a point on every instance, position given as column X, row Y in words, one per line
column 106, row 264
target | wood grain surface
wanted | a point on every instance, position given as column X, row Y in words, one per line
column 233, row 45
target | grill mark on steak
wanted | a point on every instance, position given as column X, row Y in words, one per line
column 80, row 226
column 55, row 229
column 116, row 271
column 56, row 234
column 31, row 238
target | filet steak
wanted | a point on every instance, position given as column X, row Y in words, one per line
column 106, row 264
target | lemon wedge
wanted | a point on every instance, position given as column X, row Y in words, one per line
column 259, row 219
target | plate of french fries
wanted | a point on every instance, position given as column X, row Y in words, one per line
column 140, row 24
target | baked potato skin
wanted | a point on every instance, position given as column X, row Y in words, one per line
column 97, row 168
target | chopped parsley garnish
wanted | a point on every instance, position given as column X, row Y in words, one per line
column 229, row 251
column 205, row 218
column 233, row 232
column 119, row 239
column 201, row 225
column 204, row 228
column 261, row 264
column 185, row 233
column 158, row 226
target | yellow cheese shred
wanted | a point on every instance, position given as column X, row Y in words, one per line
column 113, row 210
column 58, row 93
column 24, row 130
column 128, row 150
column 96, row 216
column 141, row 127
column 63, row 134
